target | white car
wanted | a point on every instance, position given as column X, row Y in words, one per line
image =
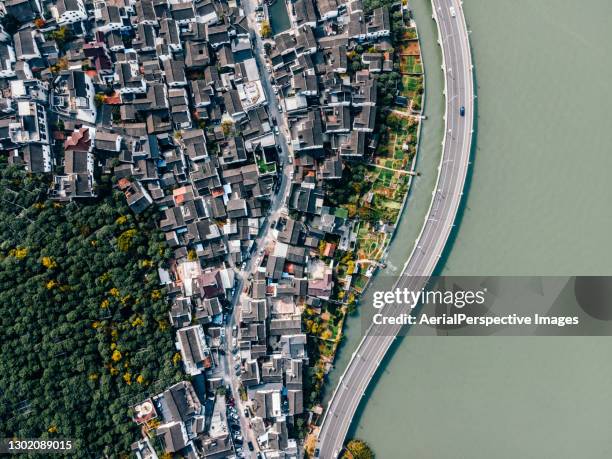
column 453, row 13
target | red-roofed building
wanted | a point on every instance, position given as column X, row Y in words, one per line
column 329, row 249
column 79, row 140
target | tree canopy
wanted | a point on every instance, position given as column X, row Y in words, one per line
column 83, row 317
column 265, row 30
column 358, row 449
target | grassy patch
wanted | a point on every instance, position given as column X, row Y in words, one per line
column 411, row 65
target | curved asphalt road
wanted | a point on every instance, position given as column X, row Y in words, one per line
column 457, row 67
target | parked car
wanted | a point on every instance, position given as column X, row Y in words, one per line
column 250, row 445
column 462, row 111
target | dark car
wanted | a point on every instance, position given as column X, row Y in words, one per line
column 462, row 111
column 250, row 445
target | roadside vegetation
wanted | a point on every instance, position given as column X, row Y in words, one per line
column 84, row 319
column 371, row 193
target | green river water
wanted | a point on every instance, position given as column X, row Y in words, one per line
column 539, row 203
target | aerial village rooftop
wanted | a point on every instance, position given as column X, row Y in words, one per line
column 278, row 178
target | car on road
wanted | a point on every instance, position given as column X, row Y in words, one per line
column 275, row 89
column 280, row 108
column 250, row 445
column 453, row 13
column 462, row 111
column 276, row 130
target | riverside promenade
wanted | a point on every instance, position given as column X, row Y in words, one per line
column 458, row 80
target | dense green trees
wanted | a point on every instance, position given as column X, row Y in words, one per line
column 387, row 88
column 371, row 5
column 83, row 319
